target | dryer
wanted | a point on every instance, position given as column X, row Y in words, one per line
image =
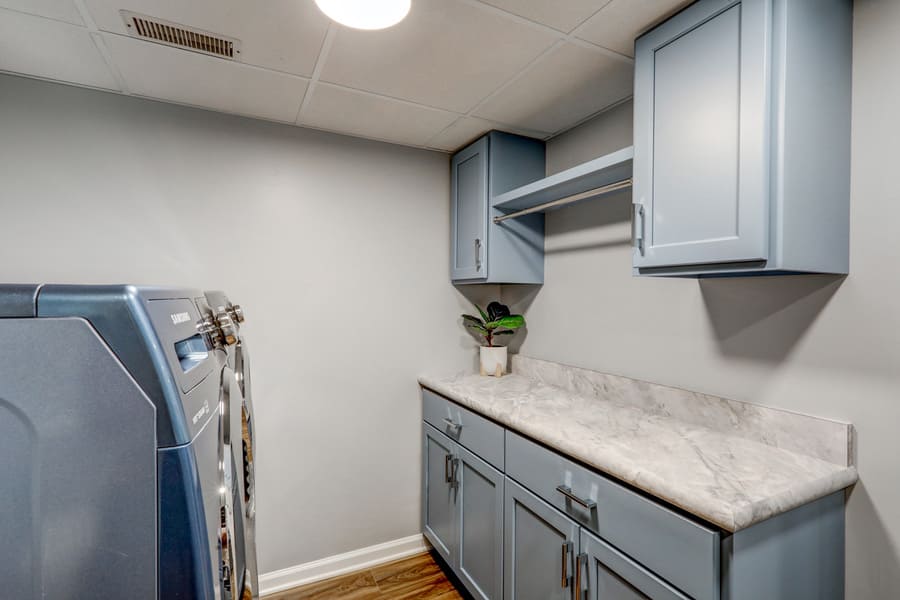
column 112, row 445
column 240, row 440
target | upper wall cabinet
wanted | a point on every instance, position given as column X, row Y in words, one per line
column 483, row 251
column 742, row 139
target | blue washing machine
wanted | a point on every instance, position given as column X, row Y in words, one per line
column 114, row 464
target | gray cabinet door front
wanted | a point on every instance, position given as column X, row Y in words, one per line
column 701, row 172
column 607, row 574
column 480, row 504
column 469, row 212
column 439, row 517
column 540, row 545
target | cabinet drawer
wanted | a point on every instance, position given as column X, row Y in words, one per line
column 678, row 549
column 478, row 434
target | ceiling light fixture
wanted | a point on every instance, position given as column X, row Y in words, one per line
column 365, row 14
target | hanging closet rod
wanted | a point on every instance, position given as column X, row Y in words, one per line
column 605, row 189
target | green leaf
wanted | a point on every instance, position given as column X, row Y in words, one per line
column 484, row 316
column 469, row 319
column 504, row 332
column 510, row 322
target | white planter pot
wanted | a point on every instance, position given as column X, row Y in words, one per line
column 493, row 361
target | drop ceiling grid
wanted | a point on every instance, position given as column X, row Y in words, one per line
column 421, row 118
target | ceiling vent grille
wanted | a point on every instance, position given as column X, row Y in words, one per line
column 180, row 36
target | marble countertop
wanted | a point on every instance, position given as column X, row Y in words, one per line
column 731, row 463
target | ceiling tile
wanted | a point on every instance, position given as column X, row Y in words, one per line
column 167, row 73
column 284, row 35
column 366, row 115
column 621, row 21
column 468, row 129
column 64, row 52
column 446, row 54
column 61, row 10
column 564, row 15
column 564, row 87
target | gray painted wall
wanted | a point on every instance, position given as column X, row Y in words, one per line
column 336, row 247
column 819, row 345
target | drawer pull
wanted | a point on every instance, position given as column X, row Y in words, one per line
column 452, row 424
column 567, row 492
column 566, row 550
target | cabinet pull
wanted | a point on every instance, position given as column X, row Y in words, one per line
column 567, row 548
column 477, row 254
column 567, row 492
column 454, row 471
column 448, row 477
column 452, row 424
column 637, row 227
column 580, row 562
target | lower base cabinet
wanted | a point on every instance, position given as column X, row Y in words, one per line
column 515, row 520
column 540, row 547
column 550, row 557
column 462, row 513
column 607, row 574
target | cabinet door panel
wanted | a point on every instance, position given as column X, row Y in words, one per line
column 701, row 156
column 469, row 200
column 534, row 537
column 610, row 575
column 439, row 517
column 480, row 504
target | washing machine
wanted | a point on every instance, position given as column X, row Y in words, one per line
column 113, row 455
column 239, row 441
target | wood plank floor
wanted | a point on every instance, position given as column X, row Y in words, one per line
column 415, row 578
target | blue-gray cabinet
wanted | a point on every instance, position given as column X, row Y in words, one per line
column 742, row 139
column 480, row 506
column 439, row 492
column 607, row 574
column 516, row 520
column 541, row 548
column 482, row 251
column 462, row 513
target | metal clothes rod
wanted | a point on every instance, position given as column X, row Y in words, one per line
column 605, row 189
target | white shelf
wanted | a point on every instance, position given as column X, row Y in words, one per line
column 597, row 173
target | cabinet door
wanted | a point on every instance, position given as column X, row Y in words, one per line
column 540, row 545
column 701, row 177
column 469, row 211
column 480, row 504
column 439, row 490
column 607, row 574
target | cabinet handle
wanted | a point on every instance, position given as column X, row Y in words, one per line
column 580, row 562
column 448, row 478
column 567, row 492
column 477, row 254
column 566, row 550
column 637, row 227
column 454, row 471
column 452, row 424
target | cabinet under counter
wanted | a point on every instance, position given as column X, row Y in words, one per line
column 597, row 453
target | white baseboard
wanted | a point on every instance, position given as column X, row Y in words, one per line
column 340, row 564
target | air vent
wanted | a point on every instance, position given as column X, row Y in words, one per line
column 180, row 36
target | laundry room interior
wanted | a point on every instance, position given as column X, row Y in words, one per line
column 540, row 299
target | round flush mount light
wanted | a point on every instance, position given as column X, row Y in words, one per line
column 365, row 14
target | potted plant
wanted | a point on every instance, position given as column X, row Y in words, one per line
column 495, row 324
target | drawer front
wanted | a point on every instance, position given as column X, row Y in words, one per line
column 478, row 434
column 678, row 549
